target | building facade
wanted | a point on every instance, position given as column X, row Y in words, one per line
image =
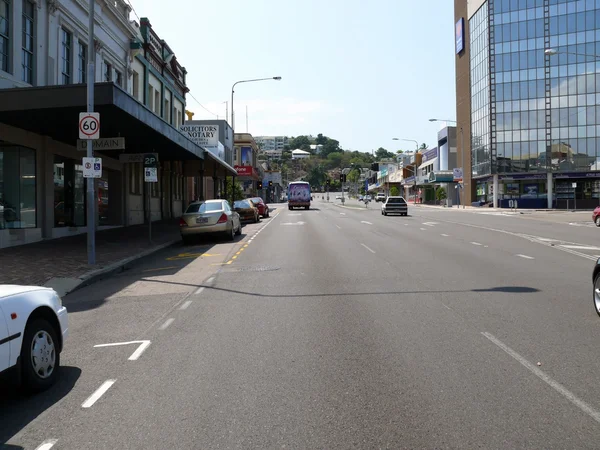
column 527, row 92
column 139, row 92
column 269, row 144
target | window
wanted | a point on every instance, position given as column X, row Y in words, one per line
column 17, row 187
column 66, row 42
column 81, row 62
column 107, row 71
column 28, row 27
column 118, row 78
column 157, row 103
column 4, row 29
column 136, row 85
column 167, row 111
column 135, row 178
column 150, row 98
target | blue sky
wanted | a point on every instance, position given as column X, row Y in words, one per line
column 359, row 72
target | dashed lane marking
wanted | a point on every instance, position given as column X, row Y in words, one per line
column 525, row 256
column 166, row 324
column 185, row 305
column 372, row 251
column 476, row 243
column 47, row 444
column 99, row 393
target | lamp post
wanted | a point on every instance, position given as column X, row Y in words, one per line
column 232, row 111
column 462, row 154
column 414, row 172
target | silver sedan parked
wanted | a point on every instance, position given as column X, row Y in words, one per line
column 210, row 217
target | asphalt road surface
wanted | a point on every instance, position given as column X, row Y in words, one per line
column 334, row 328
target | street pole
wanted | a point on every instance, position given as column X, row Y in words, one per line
column 91, row 182
column 462, row 153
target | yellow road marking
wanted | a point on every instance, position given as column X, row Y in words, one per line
column 160, row 268
column 228, row 262
column 245, row 245
column 191, row 255
column 233, row 257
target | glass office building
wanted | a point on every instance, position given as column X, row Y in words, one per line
column 536, row 112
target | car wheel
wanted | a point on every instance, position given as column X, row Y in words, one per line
column 231, row 233
column 40, row 356
column 598, row 221
column 239, row 229
column 596, row 294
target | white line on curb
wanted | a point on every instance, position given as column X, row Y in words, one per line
column 99, row 393
column 47, row 444
column 372, row 251
column 166, row 324
column 594, row 414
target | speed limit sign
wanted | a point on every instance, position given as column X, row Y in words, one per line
column 89, row 125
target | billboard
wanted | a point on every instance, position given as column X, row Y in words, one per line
column 460, row 35
column 218, row 150
column 457, row 174
column 243, row 170
column 246, row 156
column 202, row 135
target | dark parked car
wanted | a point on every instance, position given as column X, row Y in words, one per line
column 247, row 210
column 596, row 291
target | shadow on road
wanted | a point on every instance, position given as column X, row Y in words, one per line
column 18, row 409
column 503, row 289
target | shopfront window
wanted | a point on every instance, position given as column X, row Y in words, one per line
column 17, row 187
column 103, row 211
column 69, row 193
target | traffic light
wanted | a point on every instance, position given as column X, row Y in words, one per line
column 328, row 182
column 270, row 184
column 375, row 167
column 259, row 185
column 342, row 177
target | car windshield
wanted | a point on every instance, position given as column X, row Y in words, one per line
column 396, row 200
column 242, row 204
column 257, row 200
column 204, row 207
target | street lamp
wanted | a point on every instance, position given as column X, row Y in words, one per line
column 413, row 171
column 462, row 154
column 232, row 111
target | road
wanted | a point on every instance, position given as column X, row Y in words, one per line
column 334, row 328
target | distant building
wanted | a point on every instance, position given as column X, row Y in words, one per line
column 271, row 143
column 300, row 154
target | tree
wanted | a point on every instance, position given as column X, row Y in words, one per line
column 394, row 191
column 440, row 194
column 301, row 142
column 330, row 146
column 399, row 152
column 335, row 158
column 321, row 140
column 316, row 176
column 238, row 193
column 353, row 175
column 382, row 153
column 423, row 146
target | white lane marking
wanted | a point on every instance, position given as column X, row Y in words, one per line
column 47, row 444
column 199, row 290
column 405, row 224
column 547, row 240
column 210, row 280
column 367, row 248
column 342, row 214
column 476, row 243
column 294, row 214
column 430, row 224
column 166, row 324
column 317, row 212
column 364, row 221
column 423, row 229
column 185, row 305
column 594, row 414
column 135, row 355
column 525, row 256
column 339, row 228
column 580, row 247
column 445, row 235
column 99, row 393
column 446, row 306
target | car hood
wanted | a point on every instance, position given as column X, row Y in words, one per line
column 6, row 290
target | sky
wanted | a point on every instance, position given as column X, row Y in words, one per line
column 356, row 71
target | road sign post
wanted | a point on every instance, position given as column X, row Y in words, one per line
column 150, row 176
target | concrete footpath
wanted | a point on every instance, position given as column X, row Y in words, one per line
column 62, row 263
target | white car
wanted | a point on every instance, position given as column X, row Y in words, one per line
column 33, row 327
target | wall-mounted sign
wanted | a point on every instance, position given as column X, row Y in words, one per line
column 202, row 135
column 243, row 170
column 460, row 35
column 457, row 174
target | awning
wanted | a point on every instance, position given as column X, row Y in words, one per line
column 54, row 111
column 213, row 161
column 427, row 163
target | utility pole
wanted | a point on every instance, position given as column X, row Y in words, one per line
column 91, row 182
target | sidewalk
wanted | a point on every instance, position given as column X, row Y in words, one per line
column 63, row 263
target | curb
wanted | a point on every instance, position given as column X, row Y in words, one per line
column 72, row 284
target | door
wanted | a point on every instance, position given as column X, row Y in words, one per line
column 4, row 342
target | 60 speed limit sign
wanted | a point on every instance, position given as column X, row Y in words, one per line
column 89, row 125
